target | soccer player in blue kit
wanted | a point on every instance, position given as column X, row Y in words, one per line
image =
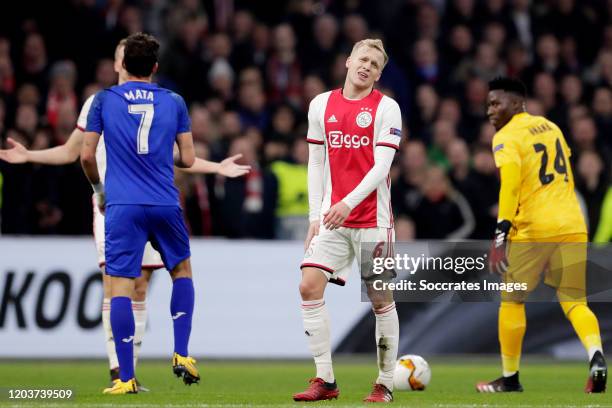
column 141, row 124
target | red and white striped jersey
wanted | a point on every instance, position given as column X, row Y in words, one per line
column 350, row 130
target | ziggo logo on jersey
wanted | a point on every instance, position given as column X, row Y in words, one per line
column 337, row 139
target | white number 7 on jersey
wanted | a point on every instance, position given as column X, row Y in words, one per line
column 146, row 111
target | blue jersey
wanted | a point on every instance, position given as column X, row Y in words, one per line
column 140, row 122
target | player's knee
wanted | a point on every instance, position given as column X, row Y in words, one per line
column 106, row 283
column 140, row 293
column 182, row 270
column 310, row 290
column 141, row 285
column 312, row 286
column 306, row 289
column 122, row 287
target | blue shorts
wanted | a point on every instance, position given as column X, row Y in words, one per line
column 129, row 227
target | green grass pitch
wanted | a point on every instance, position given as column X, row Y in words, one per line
column 251, row 383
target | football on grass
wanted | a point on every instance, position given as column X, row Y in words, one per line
column 412, row 373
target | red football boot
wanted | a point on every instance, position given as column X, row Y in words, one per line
column 379, row 393
column 318, row 390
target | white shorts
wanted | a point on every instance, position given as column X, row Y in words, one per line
column 150, row 259
column 333, row 251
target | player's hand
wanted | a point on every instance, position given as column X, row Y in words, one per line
column 17, row 153
column 498, row 261
column 229, row 167
column 313, row 230
column 100, row 201
column 336, row 215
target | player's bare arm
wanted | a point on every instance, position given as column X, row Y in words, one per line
column 64, row 154
column 185, row 157
column 90, row 166
column 69, row 152
column 227, row 167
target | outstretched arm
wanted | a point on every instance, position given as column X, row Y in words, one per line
column 227, row 167
column 64, row 154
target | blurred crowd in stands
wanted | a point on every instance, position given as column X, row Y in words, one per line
column 248, row 70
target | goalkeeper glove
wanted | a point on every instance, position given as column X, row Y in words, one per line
column 498, row 262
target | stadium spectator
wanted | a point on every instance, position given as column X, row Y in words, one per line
column 444, row 133
column 442, row 212
column 473, row 108
column 602, row 110
column 517, row 61
column 283, row 68
column 583, row 136
column 34, row 62
column 182, row 67
column 248, row 204
column 7, row 75
column 27, row 120
column 485, row 203
column 405, row 190
column 243, row 25
column 61, row 92
column 252, row 107
column 427, row 102
column 459, row 48
column 523, row 22
column 427, row 68
column 484, row 65
column 105, row 73
column 324, row 48
column 478, row 184
column 292, row 177
column 202, row 126
column 196, row 194
column 495, row 34
column 592, row 182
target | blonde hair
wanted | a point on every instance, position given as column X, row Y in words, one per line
column 372, row 43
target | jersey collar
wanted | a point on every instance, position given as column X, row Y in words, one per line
column 516, row 117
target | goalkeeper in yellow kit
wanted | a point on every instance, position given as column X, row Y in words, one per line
column 540, row 229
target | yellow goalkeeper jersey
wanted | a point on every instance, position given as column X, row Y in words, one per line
column 548, row 205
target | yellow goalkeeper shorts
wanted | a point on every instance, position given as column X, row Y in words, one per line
column 561, row 259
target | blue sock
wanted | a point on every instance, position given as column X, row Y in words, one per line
column 122, row 323
column 181, row 308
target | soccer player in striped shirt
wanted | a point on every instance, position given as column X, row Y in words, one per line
column 353, row 134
